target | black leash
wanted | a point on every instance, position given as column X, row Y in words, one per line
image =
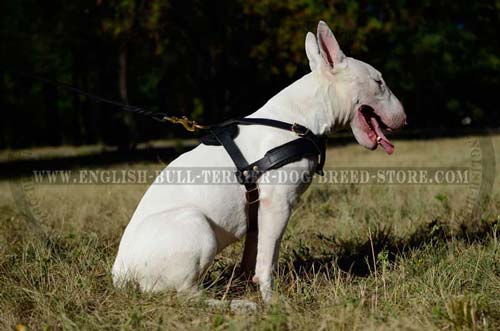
column 157, row 116
column 307, row 145
column 188, row 124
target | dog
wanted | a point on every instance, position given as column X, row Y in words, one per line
column 177, row 230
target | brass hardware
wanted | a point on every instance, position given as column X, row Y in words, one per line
column 296, row 130
column 185, row 122
column 255, row 168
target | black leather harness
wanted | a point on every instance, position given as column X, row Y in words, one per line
column 307, row 145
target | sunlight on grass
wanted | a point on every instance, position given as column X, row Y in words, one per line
column 356, row 257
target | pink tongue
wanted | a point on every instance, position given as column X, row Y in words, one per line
column 384, row 142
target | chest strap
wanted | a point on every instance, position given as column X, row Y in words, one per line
column 307, row 145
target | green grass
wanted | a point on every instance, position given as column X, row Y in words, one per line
column 354, row 257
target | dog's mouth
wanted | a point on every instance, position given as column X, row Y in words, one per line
column 374, row 126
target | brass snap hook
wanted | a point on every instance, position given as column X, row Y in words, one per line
column 185, row 122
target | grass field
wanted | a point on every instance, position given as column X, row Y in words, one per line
column 354, row 257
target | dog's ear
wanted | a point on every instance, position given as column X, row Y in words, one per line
column 328, row 46
column 312, row 52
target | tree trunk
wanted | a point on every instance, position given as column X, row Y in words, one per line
column 129, row 137
column 76, row 118
column 122, row 76
column 52, row 127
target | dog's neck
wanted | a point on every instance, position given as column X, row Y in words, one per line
column 312, row 101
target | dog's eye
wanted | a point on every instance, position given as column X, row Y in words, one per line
column 380, row 85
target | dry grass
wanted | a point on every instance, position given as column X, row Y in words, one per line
column 354, row 257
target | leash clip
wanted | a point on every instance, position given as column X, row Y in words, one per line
column 299, row 130
column 185, row 122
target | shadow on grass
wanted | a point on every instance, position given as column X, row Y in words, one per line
column 359, row 258
column 16, row 168
column 355, row 258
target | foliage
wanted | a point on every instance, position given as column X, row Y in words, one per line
column 226, row 58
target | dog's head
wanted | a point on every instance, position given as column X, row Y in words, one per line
column 364, row 99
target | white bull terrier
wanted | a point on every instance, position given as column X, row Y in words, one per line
column 177, row 230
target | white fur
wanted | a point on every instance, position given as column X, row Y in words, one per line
column 177, row 230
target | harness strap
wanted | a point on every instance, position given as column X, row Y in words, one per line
column 224, row 138
column 252, row 206
column 248, row 174
column 252, row 190
column 296, row 128
column 288, row 153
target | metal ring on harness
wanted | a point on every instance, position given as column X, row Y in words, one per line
column 307, row 145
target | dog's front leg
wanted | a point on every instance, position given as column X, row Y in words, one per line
column 273, row 219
